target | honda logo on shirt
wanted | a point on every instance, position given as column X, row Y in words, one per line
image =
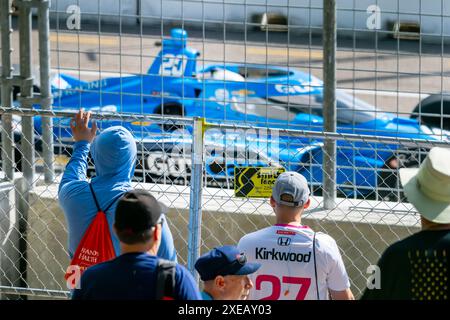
column 284, row 241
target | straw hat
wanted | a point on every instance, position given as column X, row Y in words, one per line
column 428, row 187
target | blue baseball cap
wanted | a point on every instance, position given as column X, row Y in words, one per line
column 224, row 261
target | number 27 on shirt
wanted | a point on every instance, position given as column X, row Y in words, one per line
column 304, row 284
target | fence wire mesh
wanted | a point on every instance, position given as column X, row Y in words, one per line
column 252, row 69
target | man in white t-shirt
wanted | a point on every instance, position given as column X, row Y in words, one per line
column 296, row 262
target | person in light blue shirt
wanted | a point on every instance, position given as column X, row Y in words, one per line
column 114, row 154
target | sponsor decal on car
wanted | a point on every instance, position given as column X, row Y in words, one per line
column 159, row 163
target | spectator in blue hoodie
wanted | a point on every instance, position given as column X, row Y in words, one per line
column 114, row 154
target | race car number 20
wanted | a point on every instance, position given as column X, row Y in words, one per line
column 172, row 65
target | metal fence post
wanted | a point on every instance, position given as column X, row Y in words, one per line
column 27, row 140
column 22, row 203
column 13, row 229
column 195, row 206
column 329, row 105
column 26, row 92
column 46, row 103
column 6, row 90
column 9, row 239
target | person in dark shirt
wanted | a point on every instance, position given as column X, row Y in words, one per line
column 417, row 268
column 133, row 275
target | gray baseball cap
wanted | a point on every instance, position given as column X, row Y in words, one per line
column 291, row 189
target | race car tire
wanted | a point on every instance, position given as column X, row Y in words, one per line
column 389, row 187
column 430, row 110
column 170, row 109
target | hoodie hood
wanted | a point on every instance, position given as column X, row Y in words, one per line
column 114, row 153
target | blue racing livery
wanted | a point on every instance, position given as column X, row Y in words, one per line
column 260, row 95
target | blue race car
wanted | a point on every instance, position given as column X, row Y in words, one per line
column 260, row 95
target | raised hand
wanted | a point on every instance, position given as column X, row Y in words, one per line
column 80, row 129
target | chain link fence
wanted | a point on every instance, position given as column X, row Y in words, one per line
column 202, row 103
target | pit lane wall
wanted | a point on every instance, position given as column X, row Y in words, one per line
column 362, row 229
column 365, row 17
